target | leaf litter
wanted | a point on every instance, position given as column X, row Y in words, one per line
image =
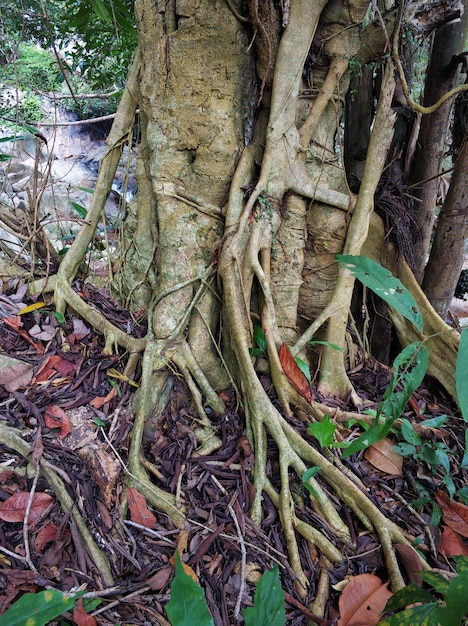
column 80, row 400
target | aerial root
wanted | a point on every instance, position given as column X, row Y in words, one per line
column 12, row 438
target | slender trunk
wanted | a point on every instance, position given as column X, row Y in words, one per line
column 446, row 260
column 448, row 41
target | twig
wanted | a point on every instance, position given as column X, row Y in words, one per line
column 243, row 561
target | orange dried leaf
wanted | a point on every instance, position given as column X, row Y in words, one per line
column 98, row 402
column 80, row 617
column 451, row 544
column 293, row 373
column 14, row 508
column 384, row 457
column 55, row 417
column 139, row 512
column 455, row 514
column 363, row 601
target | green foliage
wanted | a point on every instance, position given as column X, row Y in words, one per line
column 462, row 374
column 268, row 607
column 409, row 370
column 307, row 475
column 187, row 606
column 33, row 66
column 385, row 285
column 260, row 342
column 433, row 454
column 40, row 608
column 323, row 431
column 447, row 606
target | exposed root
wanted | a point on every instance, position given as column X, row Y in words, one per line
column 13, row 439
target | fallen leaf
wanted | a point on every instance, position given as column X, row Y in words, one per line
column 411, row 562
column 15, row 323
column 17, row 375
column 363, row 601
column 46, row 332
column 158, row 581
column 80, row 617
column 32, row 307
column 45, row 536
column 48, row 368
column 14, row 508
column 139, row 512
column 294, row 373
column 55, row 417
column 98, row 402
column 455, row 514
column 451, row 544
column 384, row 457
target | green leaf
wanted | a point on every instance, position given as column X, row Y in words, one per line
column 410, row 367
column 456, row 601
column 464, row 463
column 405, row 449
column 268, row 608
column 304, row 367
column 408, row 595
column 437, row 581
column 82, row 212
column 259, row 338
column 463, row 494
column 462, row 374
column 435, row 422
column 442, row 457
column 187, row 605
column 86, row 189
column 323, row 431
column 313, row 342
column 307, row 475
column 60, row 317
column 462, row 563
column 409, row 434
column 385, row 285
column 417, row 616
column 40, row 608
column 448, row 482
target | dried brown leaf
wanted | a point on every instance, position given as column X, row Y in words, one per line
column 55, row 417
column 451, row 544
column 294, row 373
column 384, row 457
column 411, row 562
column 158, row 581
column 14, row 508
column 363, row 601
column 80, row 617
column 139, row 512
column 455, row 514
column 16, row 376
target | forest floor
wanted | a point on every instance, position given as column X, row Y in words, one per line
column 72, row 405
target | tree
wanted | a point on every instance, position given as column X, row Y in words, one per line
column 242, row 204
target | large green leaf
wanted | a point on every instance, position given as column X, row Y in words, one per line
column 38, row 608
column 268, row 608
column 384, row 284
column 462, row 374
column 187, row 606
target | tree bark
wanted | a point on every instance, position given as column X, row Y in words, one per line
column 448, row 41
column 447, row 254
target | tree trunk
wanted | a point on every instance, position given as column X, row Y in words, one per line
column 431, row 146
column 242, row 206
column 441, row 275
